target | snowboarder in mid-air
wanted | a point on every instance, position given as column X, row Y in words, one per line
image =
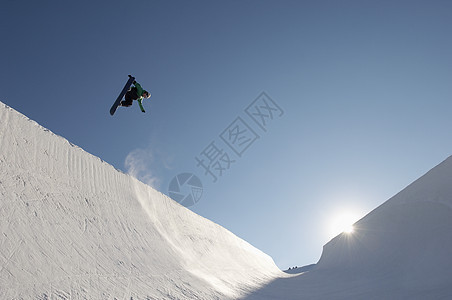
column 135, row 93
column 131, row 93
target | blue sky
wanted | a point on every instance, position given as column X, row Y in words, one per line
column 365, row 87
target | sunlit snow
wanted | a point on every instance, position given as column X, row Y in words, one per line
column 73, row 227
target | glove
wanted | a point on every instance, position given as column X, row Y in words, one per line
column 143, row 111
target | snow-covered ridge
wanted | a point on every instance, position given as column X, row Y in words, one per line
column 73, row 227
column 400, row 250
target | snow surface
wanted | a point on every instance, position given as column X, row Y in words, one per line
column 73, row 227
column 400, row 250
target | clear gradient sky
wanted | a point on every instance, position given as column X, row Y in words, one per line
column 365, row 87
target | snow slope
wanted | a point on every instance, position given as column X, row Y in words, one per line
column 73, row 227
column 400, row 250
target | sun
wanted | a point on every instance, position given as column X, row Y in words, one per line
column 342, row 222
column 348, row 228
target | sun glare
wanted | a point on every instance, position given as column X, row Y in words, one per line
column 348, row 228
column 343, row 223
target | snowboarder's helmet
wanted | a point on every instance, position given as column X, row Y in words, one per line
column 146, row 94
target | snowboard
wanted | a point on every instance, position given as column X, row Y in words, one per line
column 121, row 95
